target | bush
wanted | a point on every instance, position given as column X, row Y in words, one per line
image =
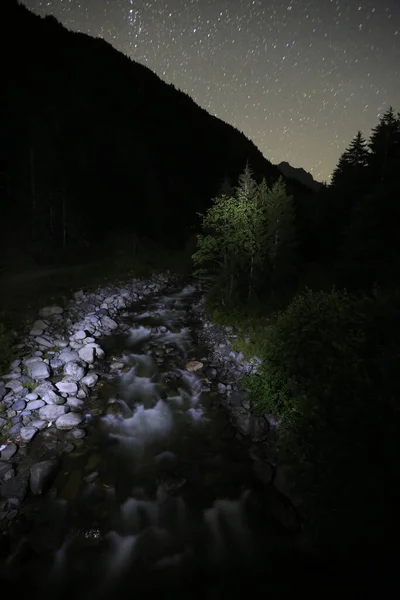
column 330, row 376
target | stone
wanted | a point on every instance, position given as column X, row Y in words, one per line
column 221, row 388
column 2, row 422
column 36, row 331
column 44, row 341
column 14, row 430
column 79, row 335
column 67, row 387
column 19, row 405
column 52, row 412
column 243, row 423
column 77, row 434
column 69, row 421
column 263, row 471
column 97, row 348
column 31, row 396
column 28, row 433
column 75, row 404
column 56, row 364
column 74, row 370
column 43, row 388
column 53, row 398
column 38, row 370
column 11, row 413
column 108, row 323
column 9, row 451
column 41, row 474
column 50, row 311
column 91, row 477
column 90, row 379
column 194, row 365
column 67, row 356
column 87, row 353
column 15, row 488
column 41, row 325
column 39, row 424
column 35, row 404
column 5, row 467
column 15, row 385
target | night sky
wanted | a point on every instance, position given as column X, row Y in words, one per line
column 299, row 77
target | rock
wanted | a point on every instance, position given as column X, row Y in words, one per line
column 75, row 404
column 193, row 365
column 79, row 335
column 2, row 422
column 263, row 471
column 221, row 388
column 67, row 356
column 14, row 430
column 77, row 434
column 36, row 332
column 67, row 387
column 39, row 424
column 91, row 477
column 69, row 421
column 19, row 405
column 31, row 396
column 35, row 404
column 41, row 474
column 87, row 353
column 5, row 467
column 38, row 370
column 11, row 413
column 41, row 325
column 43, row 388
column 108, row 323
column 50, row 311
column 15, row 385
column 74, row 370
column 90, row 380
column 15, row 488
column 211, row 373
column 9, row 451
column 53, row 398
column 28, row 433
column 44, row 341
column 243, row 423
column 52, row 412
column 98, row 349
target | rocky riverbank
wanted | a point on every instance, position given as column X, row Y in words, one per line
column 44, row 394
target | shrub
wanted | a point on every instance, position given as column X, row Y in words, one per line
column 330, row 376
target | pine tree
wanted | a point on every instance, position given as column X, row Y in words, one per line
column 384, row 144
column 350, row 170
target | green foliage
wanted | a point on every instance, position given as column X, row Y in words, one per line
column 247, row 238
column 329, row 375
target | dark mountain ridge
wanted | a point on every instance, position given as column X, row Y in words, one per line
column 300, row 175
column 95, row 142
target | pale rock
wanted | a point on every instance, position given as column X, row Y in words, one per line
column 108, row 323
column 28, row 433
column 39, row 424
column 90, row 379
column 67, row 387
column 69, row 421
column 31, row 396
column 67, row 356
column 38, row 370
column 52, row 412
column 35, row 404
column 74, row 370
column 75, row 404
column 87, row 354
column 52, row 398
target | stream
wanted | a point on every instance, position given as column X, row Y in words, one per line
column 160, row 497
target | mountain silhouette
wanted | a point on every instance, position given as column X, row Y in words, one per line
column 300, row 175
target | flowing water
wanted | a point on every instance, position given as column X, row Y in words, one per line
column 161, row 496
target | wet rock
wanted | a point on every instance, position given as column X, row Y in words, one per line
column 263, row 471
column 91, row 477
column 67, row 356
column 15, row 488
column 35, row 404
column 41, row 325
column 193, row 366
column 52, row 412
column 69, row 421
column 87, row 353
column 2, row 422
column 77, row 434
column 90, row 379
column 52, row 398
column 41, row 475
column 28, row 433
column 67, row 387
column 75, row 404
column 14, row 430
column 50, row 311
column 5, row 467
column 108, row 323
column 9, row 451
column 74, row 370
column 97, row 348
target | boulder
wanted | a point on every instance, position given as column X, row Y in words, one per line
column 41, row 474
column 52, row 412
column 28, row 433
column 38, row 369
column 74, row 370
column 69, row 421
column 67, row 387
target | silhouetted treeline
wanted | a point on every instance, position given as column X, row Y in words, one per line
column 94, row 142
column 353, row 223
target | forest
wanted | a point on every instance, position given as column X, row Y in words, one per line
column 318, row 288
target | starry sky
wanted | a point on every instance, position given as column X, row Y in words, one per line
column 298, row 77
